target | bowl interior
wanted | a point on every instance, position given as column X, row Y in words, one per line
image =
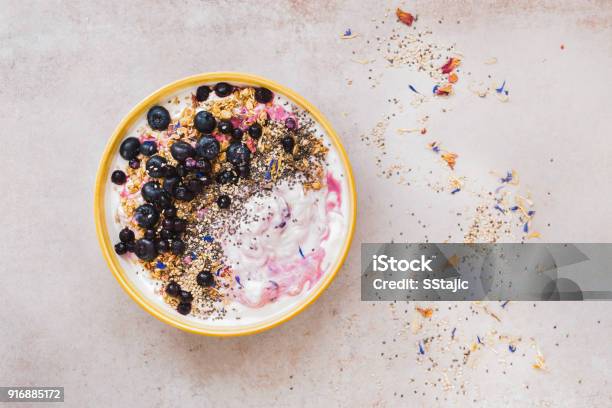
column 135, row 280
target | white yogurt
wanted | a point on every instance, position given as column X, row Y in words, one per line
column 281, row 251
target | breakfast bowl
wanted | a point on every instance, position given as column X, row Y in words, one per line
column 224, row 204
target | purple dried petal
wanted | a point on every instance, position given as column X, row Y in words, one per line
column 290, row 123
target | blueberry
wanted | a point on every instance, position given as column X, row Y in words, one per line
column 223, row 89
column 237, row 134
column 205, row 278
column 129, row 148
column 180, row 225
column 290, row 124
column 181, row 170
column 118, row 177
column 158, row 118
column 156, row 166
column 150, row 234
column 131, row 246
column 181, row 151
column 288, row 143
column 223, row 201
column 263, row 95
column 195, row 186
column 166, row 235
column 162, row 246
column 185, row 296
column 203, row 165
column 126, row 235
column 207, row 147
column 173, row 289
column 182, row 193
column 177, row 246
column 204, row 122
column 202, row 93
column 243, row 171
column 165, row 200
column 170, row 212
column 168, row 224
column 148, row 148
column 205, row 179
column 184, row 308
column 145, row 249
column 225, row 127
column 238, row 154
column 170, row 184
column 255, row 130
column 120, row 248
column 171, row 171
column 146, row 216
column 134, row 163
column 151, row 191
column 227, row 176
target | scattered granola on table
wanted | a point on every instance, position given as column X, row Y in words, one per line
column 426, row 74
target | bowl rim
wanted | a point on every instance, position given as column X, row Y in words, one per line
column 104, row 170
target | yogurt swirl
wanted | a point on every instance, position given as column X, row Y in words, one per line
column 280, row 249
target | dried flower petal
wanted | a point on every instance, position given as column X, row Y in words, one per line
column 450, row 65
column 348, row 34
column 456, row 184
column 443, row 90
column 434, row 146
column 453, row 261
column 404, row 17
column 427, row 312
column 450, row 159
column 540, row 363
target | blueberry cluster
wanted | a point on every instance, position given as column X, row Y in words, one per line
column 155, row 240
column 173, row 289
column 183, row 179
column 185, row 298
column 130, row 149
column 182, row 182
column 166, row 237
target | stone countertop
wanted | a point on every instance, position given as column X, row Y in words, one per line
column 69, row 71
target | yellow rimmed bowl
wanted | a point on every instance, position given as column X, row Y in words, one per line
column 132, row 278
